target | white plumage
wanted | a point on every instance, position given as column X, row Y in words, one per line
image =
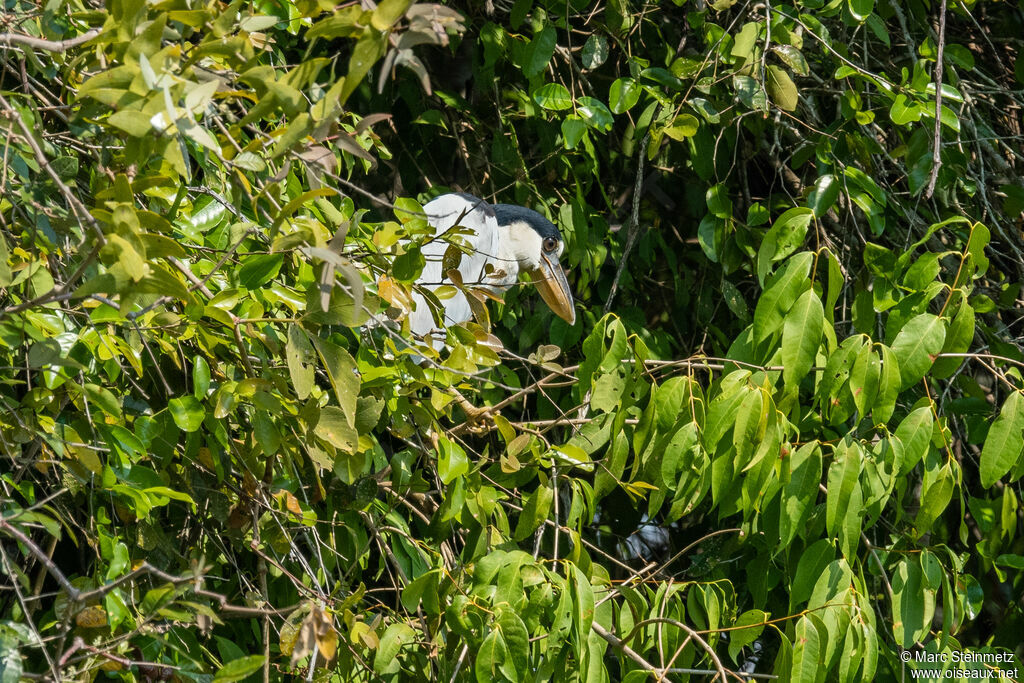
column 444, row 213
column 503, row 240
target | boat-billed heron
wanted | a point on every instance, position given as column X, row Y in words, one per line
column 502, row 241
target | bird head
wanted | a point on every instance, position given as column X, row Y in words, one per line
column 537, row 244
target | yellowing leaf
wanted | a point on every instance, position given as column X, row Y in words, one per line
column 781, row 88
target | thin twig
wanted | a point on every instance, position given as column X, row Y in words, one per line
column 633, row 228
column 77, row 206
column 937, row 143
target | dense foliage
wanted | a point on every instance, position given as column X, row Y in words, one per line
column 784, row 436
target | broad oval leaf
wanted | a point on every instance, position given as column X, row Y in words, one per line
column 595, row 51
column 554, row 96
column 781, row 88
column 595, row 113
column 624, row 93
column 187, row 413
column 916, row 347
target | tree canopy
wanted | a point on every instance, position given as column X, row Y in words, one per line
column 783, row 438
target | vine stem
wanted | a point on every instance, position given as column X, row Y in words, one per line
column 937, row 142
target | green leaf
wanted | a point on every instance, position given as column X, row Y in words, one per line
column 238, row 669
column 915, row 433
column 781, row 88
column 624, row 93
column 491, row 654
column 748, row 426
column 452, row 461
column 743, row 47
column 368, row 49
column 783, row 289
column 1011, row 561
column 595, row 113
column 408, row 265
column 802, row 473
column 905, row 110
column 793, row 58
column 595, row 51
column 573, row 130
column 535, row 510
column 684, row 126
column 750, row 93
column 187, row 413
column 517, row 639
column 539, row 51
column 976, row 244
column 388, row 12
column 5, row 266
column 860, row 9
column 301, row 361
column 864, row 376
column 739, row 638
column 334, row 428
column 812, row 565
column 583, row 612
column 916, row 346
column 663, row 77
column 908, row 598
column 801, row 335
column 127, row 257
column 823, row 195
column 785, row 236
column 200, row 377
column 844, row 499
column 1005, row 441
column 888, row 386
column 718, row 201
column 395, row 637
column 832, row 584
column 934, row 500
column 806, row 649
column 341, row 370
column 104, row 398
column 132, row 121
column 959, row 336
column 553, row 96
column 614, row 464
column 11, row 664
column 607, row 391
column 258, row 270
column 266, row 432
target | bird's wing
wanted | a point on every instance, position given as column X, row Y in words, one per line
column 472, row 214
column 444, row 213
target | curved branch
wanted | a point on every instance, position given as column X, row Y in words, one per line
column 11, row 39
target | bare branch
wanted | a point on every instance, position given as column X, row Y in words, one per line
column 10, row 39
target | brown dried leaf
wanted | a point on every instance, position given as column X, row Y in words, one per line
column 369, row 120
column 349, row 144
column 91, row 617
column 394, row 294
column 410, row 61
column 476, row 304
column 454, row 276
column 316, row 629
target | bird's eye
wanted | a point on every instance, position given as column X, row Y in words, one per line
column 550, row 244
